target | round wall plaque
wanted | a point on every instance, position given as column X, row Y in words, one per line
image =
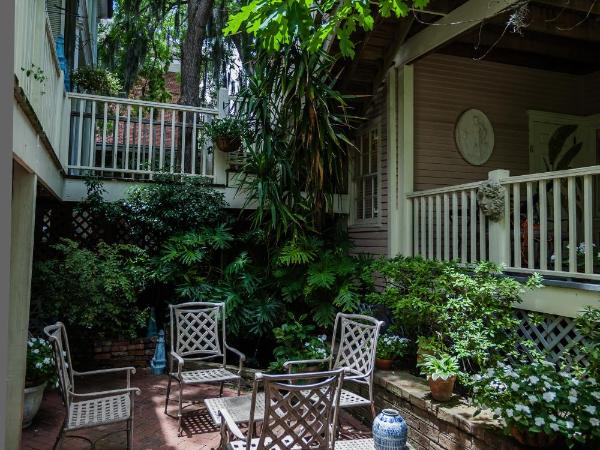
column 474, row 136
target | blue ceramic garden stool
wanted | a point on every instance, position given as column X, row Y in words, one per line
column 389, row 431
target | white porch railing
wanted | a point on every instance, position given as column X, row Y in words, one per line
column 37, row 68
column 551, row 224
column 125, row 138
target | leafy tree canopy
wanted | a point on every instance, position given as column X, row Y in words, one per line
column 276, row 23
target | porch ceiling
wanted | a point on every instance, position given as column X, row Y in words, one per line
column 560, row 35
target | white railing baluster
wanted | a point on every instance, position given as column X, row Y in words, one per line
column 173, row 139
column 572, row 205
column 416, row 230
column 161, row 151
column 473, row 218
column 194, row 144
column 482, row 237
column 423, row 228
column 543, row 225
column 454, row 226
column 446, row 227
column 557, row 211
column 92, row 149
column 530, row 237
column 127, row 136
column 438, row 227
column 183, row 142
column 104, row 123
column 517, row 224
column 588, row 223
column 151, row 140
column 463, row 228
column 116, row 143
column 80, row 132
column 430, row 227
column 139, row 146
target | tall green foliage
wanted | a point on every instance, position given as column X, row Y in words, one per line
column 298, row 122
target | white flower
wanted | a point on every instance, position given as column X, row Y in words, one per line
column 497, row 411
column 554, row 426
column 490, row 372
column 590, row 408
column 323, row 337
column 572, row 398
column 575, row 381
column 35, row 350
column 514, row 386
column 592, row 381
column 476, row 377
column 569, row 424
column 596, row 395
column 38, row 365
column 532, row 399
column 549, row 396
column 509, row 412
column 539, row 421
column 595, row 422
column 533, row 379
column 553, row 258
column 522, row 408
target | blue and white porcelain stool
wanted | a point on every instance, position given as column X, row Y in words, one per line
column 389, row 431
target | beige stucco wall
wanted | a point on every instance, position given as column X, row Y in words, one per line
column 445, row 86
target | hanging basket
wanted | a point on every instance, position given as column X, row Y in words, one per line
column 228, row 144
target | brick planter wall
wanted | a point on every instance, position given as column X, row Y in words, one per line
column 137, row 353
column 433, row 425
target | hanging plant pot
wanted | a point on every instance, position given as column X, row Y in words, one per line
column 228, row 144
column 535, row 440
column 441, row 390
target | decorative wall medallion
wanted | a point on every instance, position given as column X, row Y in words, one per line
column 474, row 136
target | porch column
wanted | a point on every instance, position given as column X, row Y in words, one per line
column 499, row 230
column 405, row 124
column 21, row 256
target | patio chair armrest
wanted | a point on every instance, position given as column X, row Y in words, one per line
column 288, row 364
column 228, row 422
column 240, row 356
column 180, row 361
column 103, row 371
column 132, row 390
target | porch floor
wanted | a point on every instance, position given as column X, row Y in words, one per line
column 153, row 429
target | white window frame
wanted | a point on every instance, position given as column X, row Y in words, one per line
column 359, row 176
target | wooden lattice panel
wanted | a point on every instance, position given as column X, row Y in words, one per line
column 555, row 335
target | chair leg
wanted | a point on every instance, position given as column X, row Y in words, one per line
column 221, row 389
column 168, row 393
column 179, row 411
column 59, row 439
column 130, row 434
column 239, row 385
column 373, row 412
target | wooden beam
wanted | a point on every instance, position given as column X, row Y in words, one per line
column 575, row 5
column 463, row 18
column 404, row 29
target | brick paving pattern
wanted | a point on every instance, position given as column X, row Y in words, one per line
column 152, row 428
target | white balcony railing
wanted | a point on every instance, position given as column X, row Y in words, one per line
column 37, row 68
column 125, row 138
column 550, row 224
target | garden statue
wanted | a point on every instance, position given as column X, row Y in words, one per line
column 159, row 361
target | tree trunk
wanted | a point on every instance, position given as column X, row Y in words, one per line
column 191, row 50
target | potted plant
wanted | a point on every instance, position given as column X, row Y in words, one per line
column 40, row 370
column 389, row 347
column 441, row 372
column 539, row 403
column 226, row 133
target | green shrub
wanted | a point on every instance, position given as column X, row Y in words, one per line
column 95, row 80
column 93, row 291
column 469, row 311
column 588, row 325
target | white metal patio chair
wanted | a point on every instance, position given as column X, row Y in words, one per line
column 354, row 351
column 92, row 409
column 195, row 337
column 294, row 416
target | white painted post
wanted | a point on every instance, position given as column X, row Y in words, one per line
column 498, row 234
column 219, row 158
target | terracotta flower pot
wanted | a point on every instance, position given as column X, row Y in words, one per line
column 441, row 390
column 228, row 144
column 535, row 440
column 383, row 364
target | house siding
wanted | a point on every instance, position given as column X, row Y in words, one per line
column 445, row 86
column 372, row 238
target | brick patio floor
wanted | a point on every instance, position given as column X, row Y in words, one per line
column 152, row 428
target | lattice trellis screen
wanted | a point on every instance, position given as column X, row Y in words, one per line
column 556, row 335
